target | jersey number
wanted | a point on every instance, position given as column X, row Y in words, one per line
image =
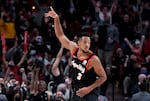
column 79, row 76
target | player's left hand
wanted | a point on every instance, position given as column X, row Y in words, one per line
column 83, row 91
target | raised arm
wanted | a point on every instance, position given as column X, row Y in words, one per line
column 113, row 6
column 126, row 61
column 142, row 41
column 34, row 82
column 6, row 76
column 22, row 59
column 128, row 43
column 59, row 31
column 24, row 76
column 4, row 60
column 55, row 69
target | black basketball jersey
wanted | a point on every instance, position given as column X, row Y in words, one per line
column 79, row 72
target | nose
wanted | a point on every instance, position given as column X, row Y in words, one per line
column 87, row 44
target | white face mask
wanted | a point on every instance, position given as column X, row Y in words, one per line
column 137, row 42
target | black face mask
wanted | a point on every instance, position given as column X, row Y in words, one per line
column 29, row 78
column 17, row 98
column 59, row 98
column 10, row 65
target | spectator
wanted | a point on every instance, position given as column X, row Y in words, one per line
column 119, row 60
column 8, row 27
column 130, row 17
column 103, row 14
column 125, row 31
column 146, row 43
column 137, row 49
column 108, row 37
column 58, row 77
column 38, row 92
column 3, row 97
column 142, row 95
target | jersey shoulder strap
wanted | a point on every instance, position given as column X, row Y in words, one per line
column 90, row 56
column 75, row 52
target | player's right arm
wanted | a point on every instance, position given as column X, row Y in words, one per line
column 68, row 44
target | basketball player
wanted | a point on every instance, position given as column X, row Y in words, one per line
column 87, row 71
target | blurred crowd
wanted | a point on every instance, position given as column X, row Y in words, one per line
column 120, row 33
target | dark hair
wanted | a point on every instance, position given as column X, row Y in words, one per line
column 142, row 85
column 58, row 98
column 83, row 34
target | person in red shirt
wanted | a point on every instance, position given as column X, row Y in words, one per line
column 137, row 49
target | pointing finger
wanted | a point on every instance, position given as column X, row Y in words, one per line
column 51, row 8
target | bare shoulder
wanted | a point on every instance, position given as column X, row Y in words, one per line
column 94, row 59
column 73, row 47
column 95, row 62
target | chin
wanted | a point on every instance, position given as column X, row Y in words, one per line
column 85, row 51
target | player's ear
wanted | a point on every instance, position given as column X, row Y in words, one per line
column 78, row 42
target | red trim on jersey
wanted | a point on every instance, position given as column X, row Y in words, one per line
column 87, row 65
column 82, row 59
column 86, row 57
column 74, row 50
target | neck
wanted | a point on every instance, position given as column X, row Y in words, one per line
column 83, row 53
